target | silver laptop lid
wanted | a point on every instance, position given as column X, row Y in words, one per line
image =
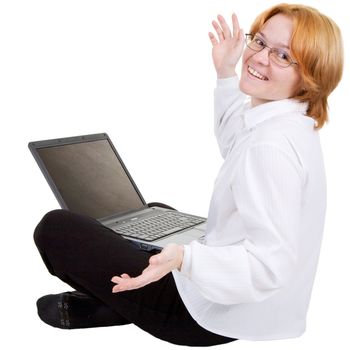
column 87, row 175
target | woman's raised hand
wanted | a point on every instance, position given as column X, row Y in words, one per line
column 228, row 48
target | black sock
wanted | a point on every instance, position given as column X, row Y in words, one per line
column 71, row 310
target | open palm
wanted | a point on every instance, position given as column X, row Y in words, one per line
column 228, row 47
column 168, row 259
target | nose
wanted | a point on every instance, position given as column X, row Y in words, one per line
column 262, row 56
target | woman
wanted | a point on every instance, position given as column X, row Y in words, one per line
column 253, row 276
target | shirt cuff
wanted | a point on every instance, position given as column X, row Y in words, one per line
column 186, row 261
column 226, row 82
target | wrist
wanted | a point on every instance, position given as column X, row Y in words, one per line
column 181, row 251
column 226, row 74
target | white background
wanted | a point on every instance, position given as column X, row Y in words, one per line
column 142, row 72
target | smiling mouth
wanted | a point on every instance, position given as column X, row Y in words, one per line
column 256, row 74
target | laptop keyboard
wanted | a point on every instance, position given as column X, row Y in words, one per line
column 158, row 226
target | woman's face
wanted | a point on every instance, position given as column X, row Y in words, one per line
column 270, row 82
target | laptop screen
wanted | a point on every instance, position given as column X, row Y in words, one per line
column 90, row 178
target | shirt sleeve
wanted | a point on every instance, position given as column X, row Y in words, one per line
column 267, row 190
column 228, row 107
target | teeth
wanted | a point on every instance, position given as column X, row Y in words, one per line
column 256, row 74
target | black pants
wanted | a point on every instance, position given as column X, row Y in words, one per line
column 86, row 255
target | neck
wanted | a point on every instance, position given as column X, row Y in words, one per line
column 257, row 101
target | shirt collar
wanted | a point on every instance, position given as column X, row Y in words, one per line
column 256, row 115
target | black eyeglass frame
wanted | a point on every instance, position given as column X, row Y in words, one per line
column 249, row 38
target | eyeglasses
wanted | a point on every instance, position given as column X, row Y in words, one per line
column 278, row 56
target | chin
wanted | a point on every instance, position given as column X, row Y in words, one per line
column 247, row 87
column 257, row 97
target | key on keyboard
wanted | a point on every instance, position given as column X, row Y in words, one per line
column 158, row 226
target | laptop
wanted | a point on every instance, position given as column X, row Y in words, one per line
column 88, row 176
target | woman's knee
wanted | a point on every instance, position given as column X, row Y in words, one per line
column 49, row 227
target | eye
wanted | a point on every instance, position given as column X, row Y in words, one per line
column 283, row 56
column 258, row 41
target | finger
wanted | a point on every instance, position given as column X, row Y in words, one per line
column 123, row 284
column 114, row 279
column 235, row 25
column 117, row 289
column 225, row 27
column 218, row 31
column 129, row 284
column 117, row 279
column 121, row 288
column 212, row 39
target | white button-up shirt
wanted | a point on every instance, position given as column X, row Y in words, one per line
column 252, row 278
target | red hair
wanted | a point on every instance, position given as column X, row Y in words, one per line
column 317, row 46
